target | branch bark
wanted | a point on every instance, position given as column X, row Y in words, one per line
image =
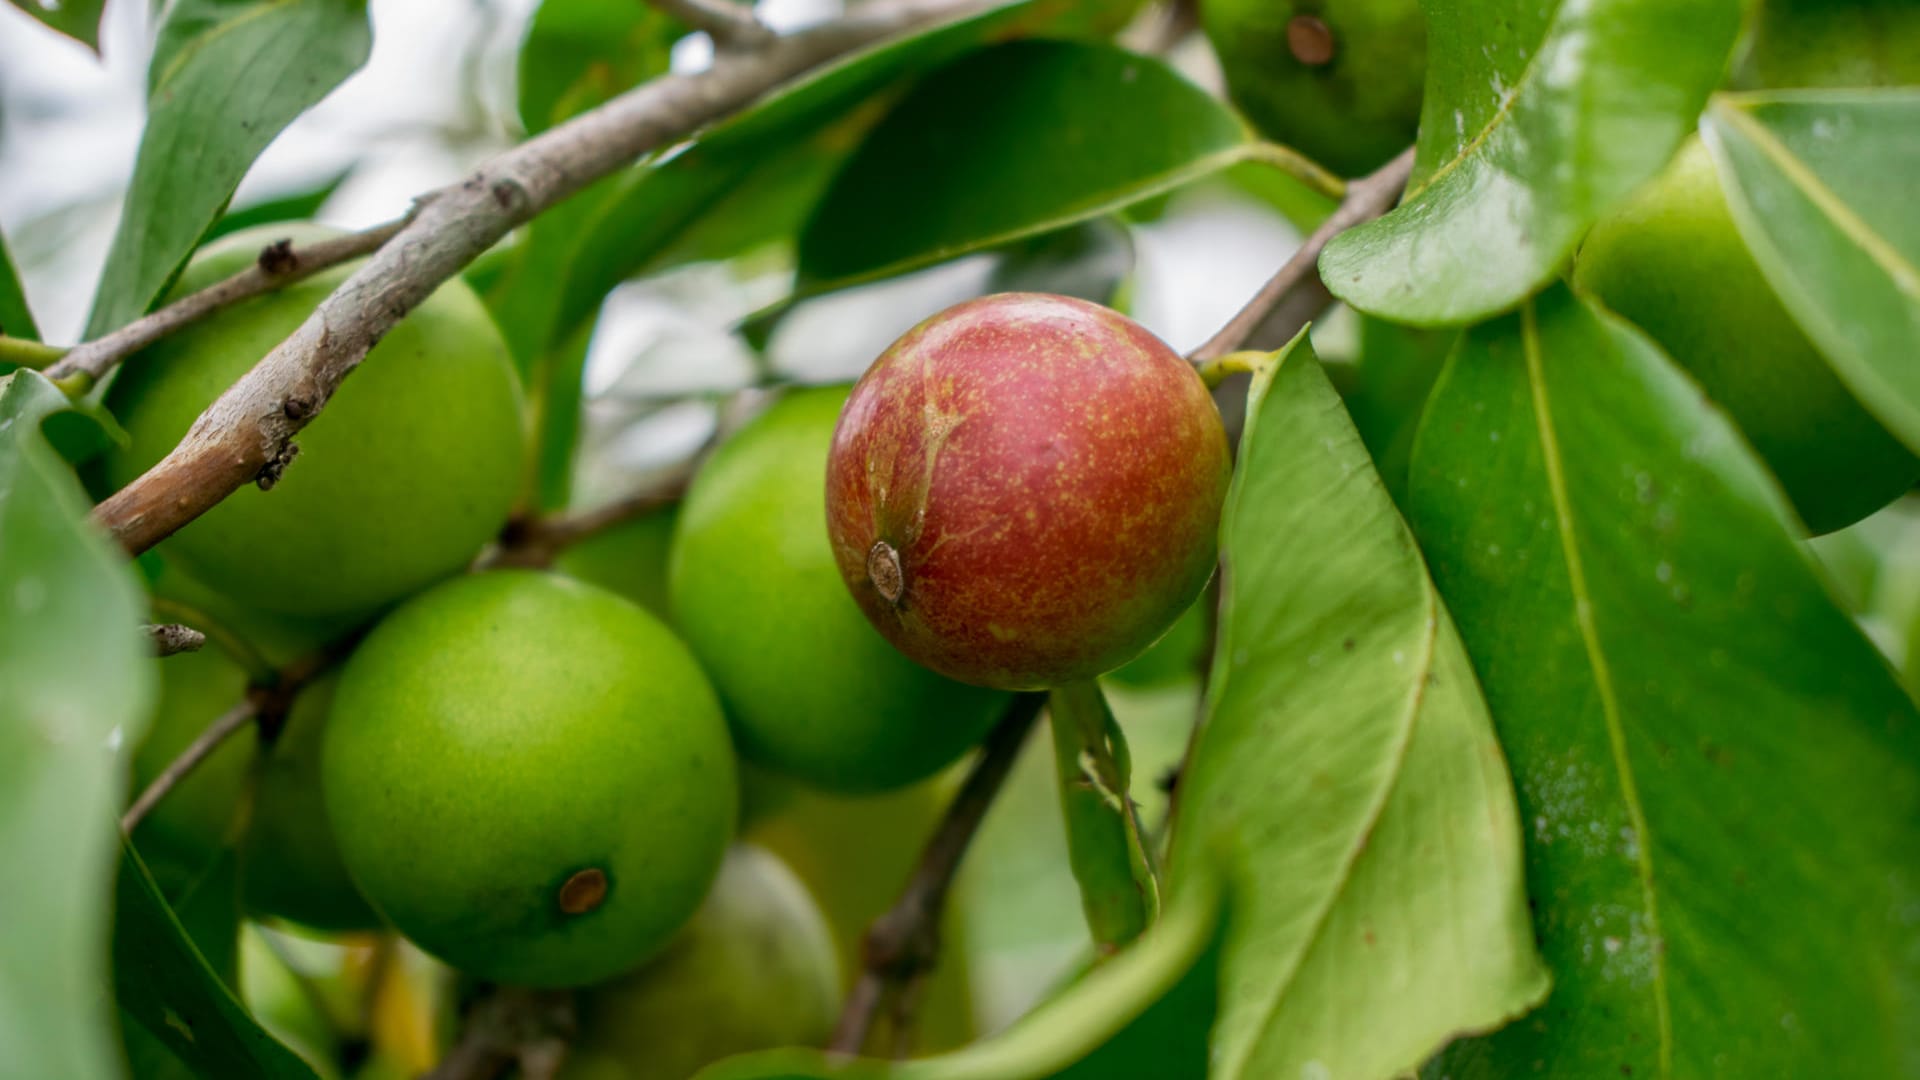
column 731, row 25
column 535, row 542
column 171, row 639
column 196, row 752
column 1295, row 293
column 280, row 264
column 902, row 946
column 249, row 429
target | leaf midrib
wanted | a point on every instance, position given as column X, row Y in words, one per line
column 1602, row 674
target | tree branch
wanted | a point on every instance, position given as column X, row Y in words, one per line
column 1295, row 293
column 251, row 426
column 730, row 25
column 509, row 1025
column 280, row 264
column 171, row 639
column 534, row 542
column 196, row 752
column 902, row 946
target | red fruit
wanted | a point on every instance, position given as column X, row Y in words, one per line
column 1024, row 490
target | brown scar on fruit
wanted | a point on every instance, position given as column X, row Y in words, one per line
column 883, row 569
column 1309, row 40
column 584, row 891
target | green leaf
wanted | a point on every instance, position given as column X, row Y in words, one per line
column 1821, row 185
column 1113, row 1003
column 78, row 19
column 75, row 684
column 298, row 206
column 227, row 77
column 1348, row 769
column 581, row 53
column 1009, row 142
column 1105, row 845
column 165, row 985
column 16, row 319
column 1538, row 119
column 1719, row 777
column 1092, row 260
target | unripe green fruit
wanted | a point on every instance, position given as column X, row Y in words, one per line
column 754, row 970
column 290, row 867
column 1024, row 490
column 629, row 559
column 1339, row 81
column 810, row 688
column 529, row 777
column 1672, row 262
column 412, row 466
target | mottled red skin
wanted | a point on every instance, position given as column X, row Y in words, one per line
column 1051, row 475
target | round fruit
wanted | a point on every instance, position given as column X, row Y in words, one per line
column 755, row 969
column 629, row 559
column 1340, row 82
column 1024, row 490
column 529, row 777
column 1672, row 262
column 412, row 467
column 809, row 687
column 293, row 868
column 183, row 832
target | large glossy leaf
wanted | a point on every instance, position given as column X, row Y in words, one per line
column 78, row 19
column 580, row 53
column 1539, row 117
column 1822, row 187
column 1008, row 142
column 227, row 76
column 1160, row 980
column 1719, row 777
column 16, row 319
column 167, row 987
column 75, row 684
column 1349, row 771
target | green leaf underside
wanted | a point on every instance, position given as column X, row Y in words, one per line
column 226, row 79
column 16, row 319
column 78, row 19
column 1538, row 119
column 75, row 683
column 1348, row 769
column 167, row 986
column 1719, row 777
column 295, row 206
column 1822, row 185
column 1010, row 142
column 1105, row 1007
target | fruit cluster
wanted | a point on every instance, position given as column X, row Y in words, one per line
column 536, row 775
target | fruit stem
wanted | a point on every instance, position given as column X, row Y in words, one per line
column 1300, row 167
column 1105, row 842
column 22, row 352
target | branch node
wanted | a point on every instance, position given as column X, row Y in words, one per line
column 171, row 639
column 277, row 463
column 278, row 258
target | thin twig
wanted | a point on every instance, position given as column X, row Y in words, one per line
column 536, row 542
column 280, row 264
column 1295, row 293
column 509, row 1025
column 196, row 752
column 249, row 430
column 903, row 945
column 730, row 25
column 171, row 639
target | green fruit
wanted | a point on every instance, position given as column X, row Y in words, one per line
column 629, row 559
column 290, row 866
column 529, row 777
column 1672, row 262
column 810, row 688
column 1339, row 81
column 1824, row 43
column 292, row 863
column 412, row 467
column 182, row 834
column 755, row 969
